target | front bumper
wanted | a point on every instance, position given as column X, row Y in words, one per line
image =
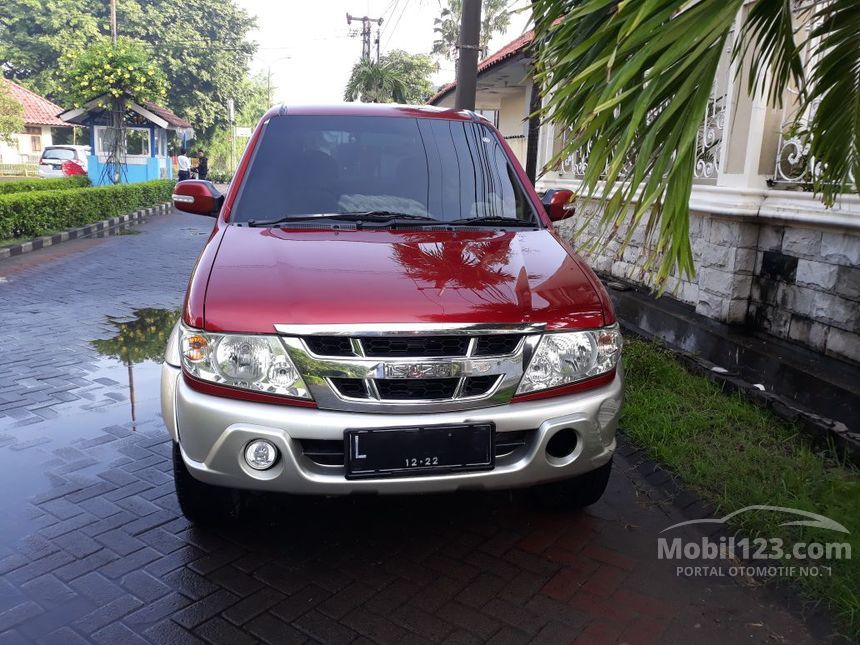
column 212, row 432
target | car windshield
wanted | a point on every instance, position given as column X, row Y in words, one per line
column 445, row 169
column 58, row 153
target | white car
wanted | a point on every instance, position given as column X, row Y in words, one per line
column 51, row 162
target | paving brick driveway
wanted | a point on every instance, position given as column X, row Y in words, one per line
column 93, row 547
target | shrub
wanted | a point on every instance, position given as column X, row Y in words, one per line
column 38, row 213
column 34, row 185
column 220, row 176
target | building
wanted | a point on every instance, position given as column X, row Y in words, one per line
column 39, row 115
column 768, row 255
column 504, row 93
column 147, row 126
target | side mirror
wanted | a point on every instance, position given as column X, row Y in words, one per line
column 198, row 196
column 558, row 204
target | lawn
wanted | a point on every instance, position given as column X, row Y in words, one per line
column 735, row 453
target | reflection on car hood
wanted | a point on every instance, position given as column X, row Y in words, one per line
column 263, row 277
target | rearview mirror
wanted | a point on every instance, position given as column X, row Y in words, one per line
column 198, row 196
column 558, row 204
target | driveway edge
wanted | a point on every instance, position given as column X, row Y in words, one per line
column 84, row 231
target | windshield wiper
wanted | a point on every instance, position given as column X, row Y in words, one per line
column 364, row 216
column 493, row 220
column 392, row 216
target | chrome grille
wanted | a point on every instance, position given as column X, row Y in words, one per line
column 429, row 389
column 418, row 367
column 384, row 347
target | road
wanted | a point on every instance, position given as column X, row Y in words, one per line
column 93, row 547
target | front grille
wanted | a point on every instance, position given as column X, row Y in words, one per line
column 324, row 452
column 394, row 389
column 353, row 388
column 414, row 346
column 510, row 442
column 361, row 371
column 478, row 385
column 497, row 344
column 330, row 345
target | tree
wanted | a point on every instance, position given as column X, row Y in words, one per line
column 495, row 18
column 398, row 77
column 123, row 70
column 201, row 47
column 632, row 80
column 11, row 114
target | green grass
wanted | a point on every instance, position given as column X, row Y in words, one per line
column 735, row 453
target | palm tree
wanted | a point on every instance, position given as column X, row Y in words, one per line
column 495, row 18
column 632, row 80
column 375, row 82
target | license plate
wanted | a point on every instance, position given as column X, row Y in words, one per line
column 422, row 450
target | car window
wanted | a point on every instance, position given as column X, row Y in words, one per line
column 59, row 153
column 441, row 168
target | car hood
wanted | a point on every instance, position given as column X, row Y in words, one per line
column 266, row 276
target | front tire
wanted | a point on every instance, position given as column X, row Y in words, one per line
column 577, row 492
column 203, row 503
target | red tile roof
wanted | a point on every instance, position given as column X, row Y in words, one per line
column 37, row 109
column 166, row 114
column 511, row 49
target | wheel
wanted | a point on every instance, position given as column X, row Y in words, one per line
column 577, row 492
column 203, row 503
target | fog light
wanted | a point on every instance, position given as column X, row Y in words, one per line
column 261, row 454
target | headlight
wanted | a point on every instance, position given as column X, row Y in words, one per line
column 567, row 357
column 258, row 363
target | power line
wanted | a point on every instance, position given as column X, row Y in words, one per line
column 394, row 28
column 391, row 9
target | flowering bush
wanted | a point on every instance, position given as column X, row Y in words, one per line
column 115, row 71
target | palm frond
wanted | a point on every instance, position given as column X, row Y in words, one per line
column 632, row 80
column 833, row 94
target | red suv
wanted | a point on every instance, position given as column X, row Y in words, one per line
column 384, row 307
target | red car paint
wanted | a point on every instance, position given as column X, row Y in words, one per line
column 264, row 276
column 249, row 279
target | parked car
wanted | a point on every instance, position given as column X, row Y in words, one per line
column 53, row 158
column 384, row 306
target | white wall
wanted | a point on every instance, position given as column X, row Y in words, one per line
column 22, row 150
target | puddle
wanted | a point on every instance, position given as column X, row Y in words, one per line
column 82, row 440
column 138, row 341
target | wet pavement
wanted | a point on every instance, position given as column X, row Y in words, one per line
column 93, row 547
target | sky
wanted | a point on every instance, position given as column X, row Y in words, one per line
column 307, row 45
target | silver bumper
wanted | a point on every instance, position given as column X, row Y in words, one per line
column 213, row 431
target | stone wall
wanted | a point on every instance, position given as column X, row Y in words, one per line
column 807, row 288
column 793, row 281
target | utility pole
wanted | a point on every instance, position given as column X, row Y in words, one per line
column 366, row 34
column 468, row 45
column 113, row 22
column 231, row 113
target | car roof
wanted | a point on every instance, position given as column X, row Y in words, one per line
column 373, row 109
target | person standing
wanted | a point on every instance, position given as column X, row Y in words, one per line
column 202, row 165
column 184, row 164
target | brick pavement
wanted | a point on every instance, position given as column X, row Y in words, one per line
column 99, row 553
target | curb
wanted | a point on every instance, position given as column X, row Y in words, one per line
column 84, row 231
